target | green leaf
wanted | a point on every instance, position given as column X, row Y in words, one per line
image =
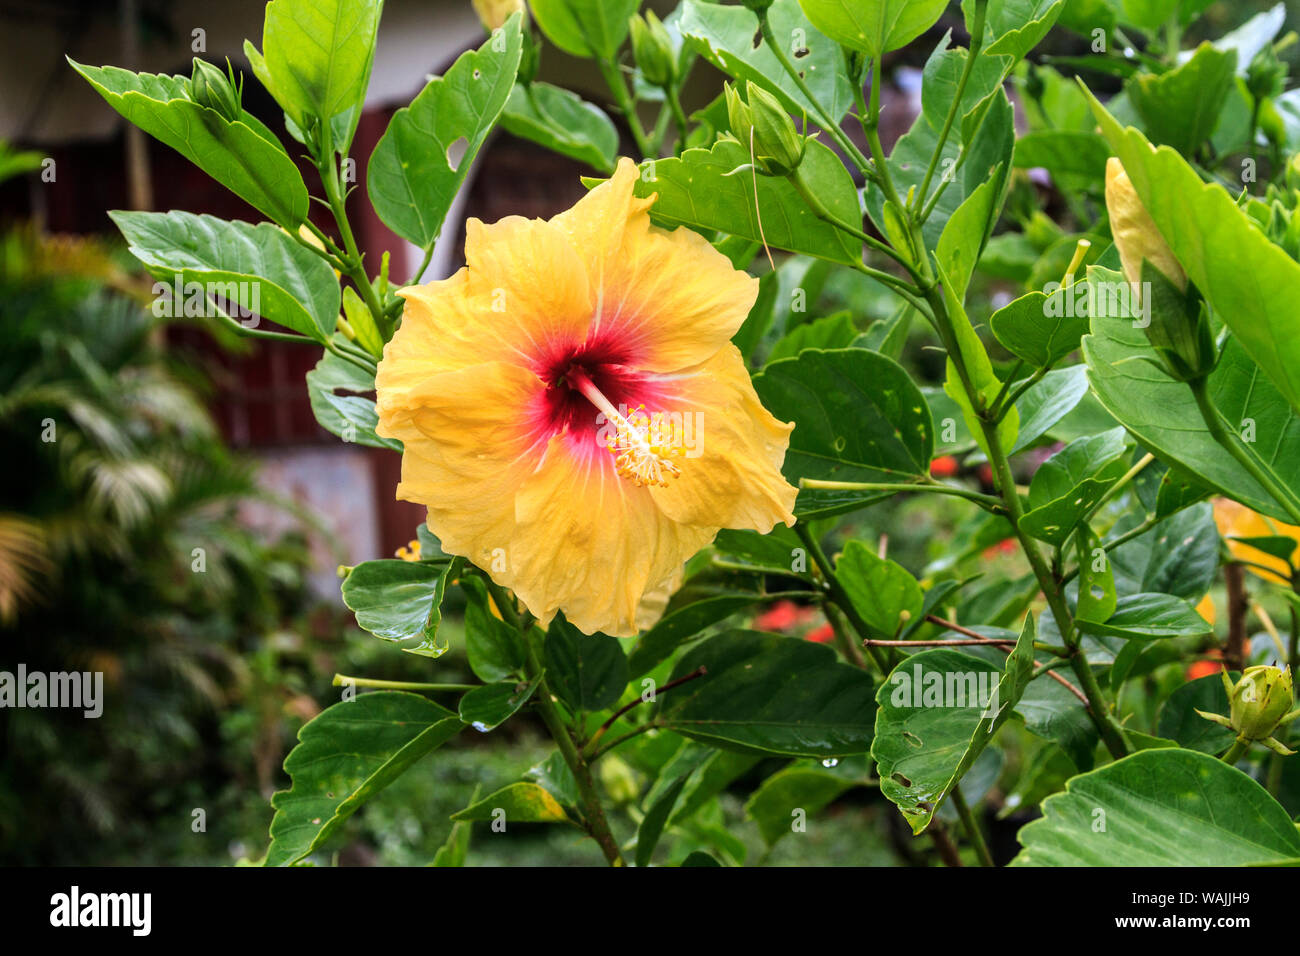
column 400, row 601
column 351, row 416
column 784, row 795
column 873, row 26
column 1162, row 413
column 1017, row 26
column 939, row 709
column 362, row 321
column 496, row 650
column 1179, row 556
column 987, row 135
column 243, row 156
column 968, row 229
column 1040, row 328
column 413, row 176
column 587, row 671
column 1249, row 281
column 882, row 591
column 1180, row 721
column 1181, row 107
column 563, row 122
column 1150, row 616
column 1097, row 597
column 833, row 332
column 1160, row 808
column 488, row 707
column 585, row 28
column 1071, row 483
column 1043, row 405
column 1063, row 152
column 656, row 818
column 259, row 267
column 346, row 755
column 1053, row 713
column 770, row 694
column 455, row 851
column 676, row 627
column 520, row 802
column 728, row 37
column 858, row 417
column 695, row 190
column 317, row 56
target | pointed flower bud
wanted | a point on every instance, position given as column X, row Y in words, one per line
column 494, row 13
column 653, row 48
column 1260, row 700
column 1136, row 235
column 216, row 90
column 764, row 124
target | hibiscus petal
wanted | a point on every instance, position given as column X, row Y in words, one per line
column 670, row 298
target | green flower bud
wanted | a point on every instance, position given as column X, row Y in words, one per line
column 764, row 125
column 653, row 49
column 211, row 88
column 1259, row 701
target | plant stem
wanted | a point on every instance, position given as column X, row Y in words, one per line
column 1236, row 752
column 934, row 487
column 623, row 99
column 592, row 811
column 824, row 119
column 679, row 116
column 972, row 827
column 354, row 261
column 976, row 40
column 344, row 680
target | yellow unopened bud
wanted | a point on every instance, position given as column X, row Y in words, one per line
column 494, row 13
column 1136, row 235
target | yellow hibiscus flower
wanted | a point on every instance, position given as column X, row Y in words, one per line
column 573, row 413
column 1237, row 521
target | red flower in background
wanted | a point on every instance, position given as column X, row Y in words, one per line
column 820, row 635
column 945, row 466
column 784, row 616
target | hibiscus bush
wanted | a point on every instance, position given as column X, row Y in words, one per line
column 665, row 484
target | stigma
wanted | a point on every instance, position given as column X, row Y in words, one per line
column 641, row 445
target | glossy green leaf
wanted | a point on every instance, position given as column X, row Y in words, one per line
column 793, row 794
column 696, row 190
column 1162, row 413
column 939, row 709
column 585, row 27
column 261, row 268
column 1042, row 328
column 317, row 55
column 770, row 694
column 1150, row 616
column 563, row 122
column 1249, row 281
column 587, row 671
column 496, row 650
column 1161, row 808
column 1180, row 721
column 728, row 37
column 858, row 417
column 346, row 755
column 873, row 26
column 400, row 601
column 339, row 393
column 1014, row 27
column 1048, row 401
column 1097, row 596
column 1063, row 152
column 1179, row 556
column 243, row 156
column 414, row 172
column 833, row 332
column 1070, row 483
column 883, row 592
column 488, row 707
column 678, row 626
column 1181, row 107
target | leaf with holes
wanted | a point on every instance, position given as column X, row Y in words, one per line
column 415, row 172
